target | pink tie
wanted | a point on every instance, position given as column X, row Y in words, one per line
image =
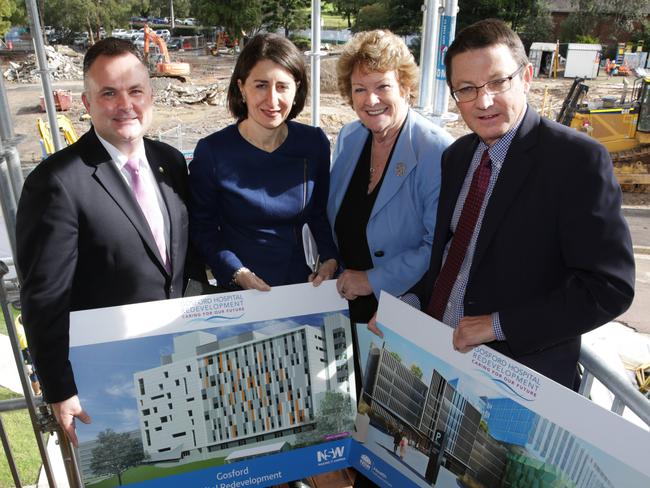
column 146, row 197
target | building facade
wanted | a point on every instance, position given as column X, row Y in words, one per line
column 212, row 394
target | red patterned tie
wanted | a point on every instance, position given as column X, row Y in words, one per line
column 460, row 240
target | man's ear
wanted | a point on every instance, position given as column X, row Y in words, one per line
column 84, row 100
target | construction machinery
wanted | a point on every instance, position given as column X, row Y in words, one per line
column 621, row 125
column 162, row 66
column 65, row 127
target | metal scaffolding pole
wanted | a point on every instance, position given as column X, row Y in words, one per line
column 315, row 63
column 428, row 48
column 29, row 397
column 39, row 48
column 445, row 38
column 9, row 142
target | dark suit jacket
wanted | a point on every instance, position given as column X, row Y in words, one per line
column 554, row 254
column 84, row 243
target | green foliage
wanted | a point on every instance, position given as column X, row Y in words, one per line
column 301, row 42
column 417, row 371
column 373, row 16
column 87, row 15
column 538, row 27
column 3, row 324
column 587, row 40
column 115, row 453
column 348, row 9
column 286, row 14
column 7, row 9
column 404, row 16
column 397, row 357
column 23, row 445
column 238, row 17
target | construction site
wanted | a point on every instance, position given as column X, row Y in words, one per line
column 185, row 111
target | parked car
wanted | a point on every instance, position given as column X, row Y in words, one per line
column 132, row 33
column 164, row 34
column 174, row 44
column 81, row 40
column 138, row 40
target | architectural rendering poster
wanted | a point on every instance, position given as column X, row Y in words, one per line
column 240, row 389
column 442, row 418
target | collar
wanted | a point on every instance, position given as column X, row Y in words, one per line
column 499, row 149
column 118, row 157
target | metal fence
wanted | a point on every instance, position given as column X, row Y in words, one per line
column 625, row 395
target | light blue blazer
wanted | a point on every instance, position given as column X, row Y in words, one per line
column 400, row 229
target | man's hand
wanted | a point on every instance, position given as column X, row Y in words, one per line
column 352, row 284
column 372, row 326
column 472, row 332
column 325, row 272
column 65, row 413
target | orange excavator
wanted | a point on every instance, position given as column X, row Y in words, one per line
column 164, row 66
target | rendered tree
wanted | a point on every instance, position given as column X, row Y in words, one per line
column 417, row 371
column 115, row 453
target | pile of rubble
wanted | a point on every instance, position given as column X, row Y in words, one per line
column 61, row 67
column 174, row 95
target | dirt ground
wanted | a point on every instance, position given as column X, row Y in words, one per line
column 183, row 125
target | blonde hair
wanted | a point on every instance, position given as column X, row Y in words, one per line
column 376, row 51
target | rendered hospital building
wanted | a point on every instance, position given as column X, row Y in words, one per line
column 215, row 394
column 495, row 441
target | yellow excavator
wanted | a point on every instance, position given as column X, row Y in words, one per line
column 622, row 126
column 65, row 128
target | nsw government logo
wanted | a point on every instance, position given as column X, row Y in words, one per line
column 331, row 455
column 365, row 461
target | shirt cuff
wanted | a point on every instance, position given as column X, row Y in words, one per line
column 496, row 327
column 411, row 299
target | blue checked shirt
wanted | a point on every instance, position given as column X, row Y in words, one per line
column 455, row 310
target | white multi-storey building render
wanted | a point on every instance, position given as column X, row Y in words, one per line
column 211, row 394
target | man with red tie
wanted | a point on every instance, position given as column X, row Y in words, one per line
column 100, row 223
column 530, row 249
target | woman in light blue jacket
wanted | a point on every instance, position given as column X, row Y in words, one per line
column 385, row 177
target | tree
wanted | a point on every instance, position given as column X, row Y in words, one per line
column 88, row 15
column 7, row 9
column 115, row 453
column 286, row 14
column 397, row 357
column 417, row 371
column 238, row 17
column 373, row 16
column 404, row 16
column 348, row 8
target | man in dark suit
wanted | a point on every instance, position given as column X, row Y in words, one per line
column 530, row 248
column 101, row 222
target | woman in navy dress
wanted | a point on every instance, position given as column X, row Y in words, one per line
column 255, row 183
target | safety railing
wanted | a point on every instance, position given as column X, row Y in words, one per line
column 625, row 395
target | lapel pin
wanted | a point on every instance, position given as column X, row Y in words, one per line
column 161, row 170
column 400, row 169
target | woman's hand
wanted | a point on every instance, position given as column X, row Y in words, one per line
column 248, row 280
column 352, row 284
column 325, row 272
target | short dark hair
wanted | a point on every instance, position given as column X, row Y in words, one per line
column 485, row 33
column 281, row 51
column 109, row 46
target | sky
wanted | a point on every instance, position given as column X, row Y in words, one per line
column 104, row 372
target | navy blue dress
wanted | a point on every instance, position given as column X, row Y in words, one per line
column 248, row 206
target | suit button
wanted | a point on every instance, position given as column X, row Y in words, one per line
column 379, row 254
column 171, row 290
